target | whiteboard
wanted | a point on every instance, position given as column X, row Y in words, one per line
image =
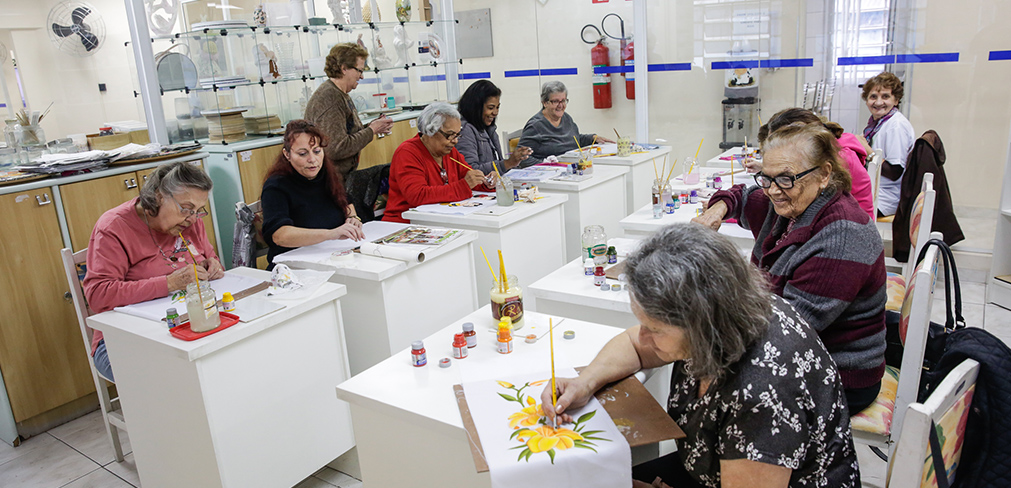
column 473, row 34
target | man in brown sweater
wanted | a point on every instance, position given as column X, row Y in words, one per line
column 332, row 110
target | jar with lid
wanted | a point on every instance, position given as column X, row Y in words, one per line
column 507, row 301
column 595, row 244
column 202, row 307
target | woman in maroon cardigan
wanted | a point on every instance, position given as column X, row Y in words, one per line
column 423, row 170
column 819, row 249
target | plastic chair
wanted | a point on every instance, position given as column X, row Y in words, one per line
column 876, row 425
column 920, row 222
column 947, row 411
column 112, row 417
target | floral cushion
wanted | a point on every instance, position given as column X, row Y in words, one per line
column 950, row 435
column 914, row 222
column 877, row 418
column 886, row 219
column 895, row 287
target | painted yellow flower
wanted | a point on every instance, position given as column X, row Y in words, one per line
column 538, row 383
column 531, row 400
column 504, row 384
column 527, row 417
column 545, row 438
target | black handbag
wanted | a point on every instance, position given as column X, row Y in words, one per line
column 937, row 335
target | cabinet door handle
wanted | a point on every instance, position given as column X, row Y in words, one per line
column 43, row 199
column 130, row 183
column 68, row 297
column 145, row 178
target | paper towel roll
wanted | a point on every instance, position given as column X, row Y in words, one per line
column 392, row 252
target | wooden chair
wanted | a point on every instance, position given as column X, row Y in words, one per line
column 876, row 425
column 947, row 411
column 920, row 222
column 112, row 413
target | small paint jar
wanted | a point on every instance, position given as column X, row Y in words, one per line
column 657, row 211
column 419, row 357
column 171, row 318
column 598, row 276
column 505, row 336
column 459, row 346
column 717, row 183
column 588, row 267
column 709, row 181
column 227, row 302
column 612, row 255
column 694, row 197
column 677, row 203
column 684, row 198
column 469, row 335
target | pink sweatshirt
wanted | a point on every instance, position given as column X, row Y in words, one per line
column 854, row 155
column 124, row 265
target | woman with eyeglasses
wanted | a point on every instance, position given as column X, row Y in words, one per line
column 138, row 250
column 332, row 110
column 427, row 168
column 551, row 131
column 303, row 198
column 820, row 251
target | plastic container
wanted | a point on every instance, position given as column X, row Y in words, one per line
column 504, row 192
column 202, row 307
column 595, row 244
column 507, row 301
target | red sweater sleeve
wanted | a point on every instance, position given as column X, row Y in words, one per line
column 105, row 284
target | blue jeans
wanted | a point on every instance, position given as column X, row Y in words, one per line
column 101, row 359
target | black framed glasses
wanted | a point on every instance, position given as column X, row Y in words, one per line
column 784, row 182
column 361, row 72
column 449, row 135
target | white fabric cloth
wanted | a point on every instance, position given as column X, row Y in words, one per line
column 895, row 139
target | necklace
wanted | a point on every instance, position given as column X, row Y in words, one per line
column 789, row 228
column 169, row 261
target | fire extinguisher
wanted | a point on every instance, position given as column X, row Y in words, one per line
column 628, row 60
column 600, row 56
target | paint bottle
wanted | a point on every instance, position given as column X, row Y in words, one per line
column 418, row 356
column 612, row 255
column 709, row 181
column 657, row 211
column 227, row 302
column 717, row 183
column 694, row 197
column 505, row 336
column 598, row 276
column 171, row 318
column 684, row 198
column 459, row 346
column 588, row 267
column 665, row 196
column 470, row 335
column 657, row 196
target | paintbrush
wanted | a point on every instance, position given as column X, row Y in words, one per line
column 554, row 392
column 504, row 281
column 489, row 264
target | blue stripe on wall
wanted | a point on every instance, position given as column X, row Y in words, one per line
column 858, row 60
column 541, row 72
column 600, row 70
column 522, row 72
column 1000, row 55
column 927, row 58
column 670, row 67
column 735, row 64
column 476, row 76
column 369, row 81
column 787, row 63
column 433, row 77
column 400, row 79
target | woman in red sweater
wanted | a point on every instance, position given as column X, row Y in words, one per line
column 423, row 170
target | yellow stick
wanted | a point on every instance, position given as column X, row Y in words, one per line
column 554, row 392
column 654, row 170
column 699, row 149
column 195, row 277
column 461, row 164
column 577, row 145
column 760, row 120
column 671, row 172
column 663, row 168
column 503, row 283
column 493, row 165
column 489, row 264
column 616, row 132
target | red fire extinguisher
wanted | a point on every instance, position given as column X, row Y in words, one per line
column 600, row 56
column 628, row 60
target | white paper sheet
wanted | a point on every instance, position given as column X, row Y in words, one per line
column 534, row 173
column 509, row 428
column 155, row 309
column 479, row 201
column 315, row 253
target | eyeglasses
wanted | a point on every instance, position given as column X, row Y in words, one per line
column 558, row 102
column 199, row 213
column 449, row 135
column 784, row 182
column 360, row 71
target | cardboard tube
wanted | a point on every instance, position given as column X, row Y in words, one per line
column 392, row 252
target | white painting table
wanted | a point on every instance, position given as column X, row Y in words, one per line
column 597, row 200
column 640, row 178
column 391, row 303
column 251, row 405
column 641, row 224
column 406, row 419
column 718, row 162
column 531, row 237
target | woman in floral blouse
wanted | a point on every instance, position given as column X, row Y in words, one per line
column 752, row 386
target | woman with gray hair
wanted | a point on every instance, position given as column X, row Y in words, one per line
column 753, row 388
column 427, row 168
column 138, row 250
column 551, row 131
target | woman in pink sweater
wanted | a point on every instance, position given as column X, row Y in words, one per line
column 137, row 250
column 853, row 152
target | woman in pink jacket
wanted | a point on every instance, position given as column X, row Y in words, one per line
column 138, row 250
column 853, row 152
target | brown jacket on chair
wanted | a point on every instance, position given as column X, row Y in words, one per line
column 927, row 156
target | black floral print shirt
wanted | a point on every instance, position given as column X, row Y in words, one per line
column 782, row 404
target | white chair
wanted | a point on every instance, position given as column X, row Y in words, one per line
column 921, row 219
column 911, row 464
column 112, row 414
column 507, row 146
column 874, row 171
column 876, row 425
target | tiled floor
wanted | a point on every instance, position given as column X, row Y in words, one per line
column 78, row 455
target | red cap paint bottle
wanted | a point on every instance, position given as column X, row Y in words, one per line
column 459, row 346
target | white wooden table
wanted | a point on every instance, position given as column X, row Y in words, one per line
column 717, row 162
column 391, row 303
column 639, row 181
column 531, row 237
column 252, row 405
column 597, row 200
column 641, row 224
column 406, row 419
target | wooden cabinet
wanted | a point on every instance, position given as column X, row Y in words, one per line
column 41, row 355
column 380, row 150
column 253, row 166
column 84, row 202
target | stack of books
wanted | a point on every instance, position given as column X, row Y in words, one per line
column 224, row 126
column 263, row 125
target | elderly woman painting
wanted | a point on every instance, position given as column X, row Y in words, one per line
column 479, row 106
column 424, row 170
column 551, row 131
column 757, row 394
column 138, row 250
column 820, row 250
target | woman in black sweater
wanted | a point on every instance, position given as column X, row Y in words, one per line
column 303, row 197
